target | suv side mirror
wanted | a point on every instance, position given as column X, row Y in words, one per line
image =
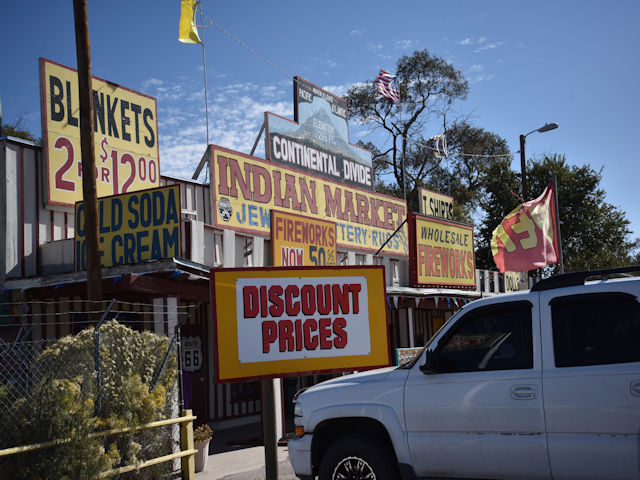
column 432, row 362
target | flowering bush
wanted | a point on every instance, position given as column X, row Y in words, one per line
column 63, row 405
column 202, row 433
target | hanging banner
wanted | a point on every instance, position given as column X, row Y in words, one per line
column 526, row 238
column 302, row 241
column 244, row 190
column 441, row 253
column 125, row 136
column 317, row 141
column 274, row 322
column 133, row 227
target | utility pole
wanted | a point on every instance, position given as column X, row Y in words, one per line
column 89, row 193
column 523, row 168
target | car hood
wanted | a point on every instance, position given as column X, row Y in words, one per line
column 369, row 376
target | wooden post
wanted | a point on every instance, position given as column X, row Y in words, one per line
column 269, row 430
column 186, row 443
column 89, row 193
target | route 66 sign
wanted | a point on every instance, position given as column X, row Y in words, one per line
column 191, row 353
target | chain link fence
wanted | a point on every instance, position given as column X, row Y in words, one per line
column 105, row 377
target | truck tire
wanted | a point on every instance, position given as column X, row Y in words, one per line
column 356, row 457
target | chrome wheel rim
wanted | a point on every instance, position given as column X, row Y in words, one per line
column 353, row 468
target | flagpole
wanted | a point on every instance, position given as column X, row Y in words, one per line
column 204, row 63
column 557, row 222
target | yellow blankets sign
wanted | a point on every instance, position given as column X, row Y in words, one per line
column 125, row 136
column 245, row 189
column 442, row 253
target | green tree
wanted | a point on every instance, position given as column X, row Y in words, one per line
column 594, row 233
column 16, row 129
column 428, row 87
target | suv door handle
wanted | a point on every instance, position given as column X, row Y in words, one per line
column 635, row 388
column 524, row 392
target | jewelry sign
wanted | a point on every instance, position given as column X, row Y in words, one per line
column 289, row 322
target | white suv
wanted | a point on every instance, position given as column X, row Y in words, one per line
column 543, row 384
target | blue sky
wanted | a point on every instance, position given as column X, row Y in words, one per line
column 528, row 63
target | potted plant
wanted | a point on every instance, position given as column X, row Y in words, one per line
column 201, row 438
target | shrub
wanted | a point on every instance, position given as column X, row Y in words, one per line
column 62, row 405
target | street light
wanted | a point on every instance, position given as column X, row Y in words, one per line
column 545, row 128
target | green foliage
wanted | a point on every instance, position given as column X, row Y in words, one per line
column 63, row 405
column 16, row 130
column 594, row 233
column 428, row 86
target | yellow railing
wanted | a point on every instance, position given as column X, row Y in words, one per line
column 186, row 446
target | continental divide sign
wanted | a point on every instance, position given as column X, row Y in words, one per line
column 125, row 136
column 245, row 189
column 133, row 227
column 272, row 322
column 317, row 141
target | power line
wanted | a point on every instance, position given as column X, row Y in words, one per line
column 280, row 70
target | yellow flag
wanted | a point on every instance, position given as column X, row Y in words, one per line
column 188, row 32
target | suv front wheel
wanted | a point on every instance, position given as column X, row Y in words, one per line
column 356, row 457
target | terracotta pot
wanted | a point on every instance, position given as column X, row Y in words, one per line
column 202, row 455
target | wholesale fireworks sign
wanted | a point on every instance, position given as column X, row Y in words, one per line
column 302, row 241
column 133, row 227
column 125, row 136
column 309, row 320
column 441, row 253
column 317, row 141
column 245, row 189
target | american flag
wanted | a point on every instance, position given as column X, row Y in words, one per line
column 388, row 85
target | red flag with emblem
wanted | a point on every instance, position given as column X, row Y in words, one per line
column 526, row 239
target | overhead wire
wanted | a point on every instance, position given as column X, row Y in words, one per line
column 280, row 70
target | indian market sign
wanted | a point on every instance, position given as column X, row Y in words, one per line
column 287, row 322
column 436, row 204
column 125, row 136
column 133, row 227
column 317, row 141
column 302, row 241
column 441, row 253
column 245, row 189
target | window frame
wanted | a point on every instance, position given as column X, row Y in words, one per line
column 600, row 298
column 483, row 311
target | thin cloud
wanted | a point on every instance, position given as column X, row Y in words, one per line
column 356, row 32
column 489, row 46
column 405, row 44
column 466, row 41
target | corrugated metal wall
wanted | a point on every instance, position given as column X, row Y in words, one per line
column 28, row 224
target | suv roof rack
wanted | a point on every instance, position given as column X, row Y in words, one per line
column 578, row 278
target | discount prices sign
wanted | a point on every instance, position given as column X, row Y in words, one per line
column 289, row 322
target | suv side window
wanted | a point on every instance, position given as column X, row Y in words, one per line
column 490, row 338
column 595, row 329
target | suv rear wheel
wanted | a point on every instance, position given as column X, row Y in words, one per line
column 356, row 457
